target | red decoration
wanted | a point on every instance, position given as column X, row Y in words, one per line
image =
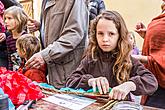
column 18, row 87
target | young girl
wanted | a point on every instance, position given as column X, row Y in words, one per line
column 27, row 45
column 135, row 50
column 15, row 19
column 108, row 62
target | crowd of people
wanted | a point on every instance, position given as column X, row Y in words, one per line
column 83, row 45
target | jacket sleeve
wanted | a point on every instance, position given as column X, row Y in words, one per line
column 145, row 81
column 73, row 33
column 101, row 6
column 79, row 78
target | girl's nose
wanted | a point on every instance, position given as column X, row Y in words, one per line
column 5, row 21
column 105, row 38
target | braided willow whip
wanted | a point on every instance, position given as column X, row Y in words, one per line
column 108, row 105
column 55, row 91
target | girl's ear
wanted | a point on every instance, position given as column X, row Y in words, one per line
column 24, row 52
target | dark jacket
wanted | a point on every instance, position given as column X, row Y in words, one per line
column 95, row 8
column 3, row 49
column 9, row 3
column 144, row 80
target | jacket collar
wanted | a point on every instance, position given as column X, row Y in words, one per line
column 48, row 3
column 106, row 56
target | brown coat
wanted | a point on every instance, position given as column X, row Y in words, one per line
column 65, row 35
column 144, row 80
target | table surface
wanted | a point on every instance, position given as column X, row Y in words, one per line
column 44, row 105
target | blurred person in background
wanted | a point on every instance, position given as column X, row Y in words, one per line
column 3, row 49
column 95, row 8
column 135, row 50
column 153, row 55
column 9, row 3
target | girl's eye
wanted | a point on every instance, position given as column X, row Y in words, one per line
column 111, row 33
column 9, row 18
column 100, row 33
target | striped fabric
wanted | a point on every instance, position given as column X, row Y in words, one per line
column 11, row 48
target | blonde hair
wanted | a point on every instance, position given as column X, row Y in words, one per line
column 29, row 44
column 133, row 36
column 19, row 15
column 123, row 65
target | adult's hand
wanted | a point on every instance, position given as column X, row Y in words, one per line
column 120, row 92
column 140, row 29
column 36, row 61
column 33, row 25
column 142, row 58
column 101, row 83
column 2, row 37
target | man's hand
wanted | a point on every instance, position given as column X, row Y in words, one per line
column 101, row 83
column 120, row 92
column 33, row 25
column 141, row 29
column 141, row 58
column 36, row 61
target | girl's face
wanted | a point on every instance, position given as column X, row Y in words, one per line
column 107, row 35
column 10, row 22
column 20, row 53
column 131, row 39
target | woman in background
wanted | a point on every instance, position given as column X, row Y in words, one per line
column 153, row 55
column 3, row 49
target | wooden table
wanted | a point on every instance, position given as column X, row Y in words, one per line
column 43, row 105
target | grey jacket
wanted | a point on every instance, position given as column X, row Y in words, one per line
column 65, row 36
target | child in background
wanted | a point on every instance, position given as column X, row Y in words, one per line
column 108, row 62
column 135, row 50
column 27, row 45
column 15, row 19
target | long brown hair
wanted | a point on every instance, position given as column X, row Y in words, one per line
column 123, row 65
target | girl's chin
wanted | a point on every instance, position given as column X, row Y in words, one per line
column 106, row 50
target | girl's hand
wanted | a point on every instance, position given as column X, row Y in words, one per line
column 121, row 91
column 2, row 37
column 101, row 83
